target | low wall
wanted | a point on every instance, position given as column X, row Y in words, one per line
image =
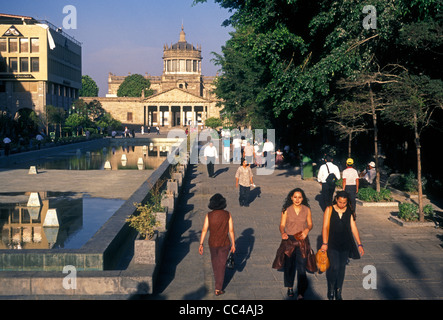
column 95, row 261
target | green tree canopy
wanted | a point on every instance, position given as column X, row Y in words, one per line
column 89, row 87
column 213, row 122
column 133, row 86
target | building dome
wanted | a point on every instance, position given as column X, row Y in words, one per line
column 182, row 57
column 182, row 44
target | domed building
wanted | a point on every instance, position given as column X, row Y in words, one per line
column 182, row 95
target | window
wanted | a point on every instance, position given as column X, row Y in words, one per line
column 168, row 65
column 188, row 65
column 13, row 45
column 24, row 65
column 3, row 45
column 13, row 65
column 3, row 64
column 182, row 66
column 35, row 45
column 35, row 65
column 194, row 65
column 129, row 116
column 24, row 45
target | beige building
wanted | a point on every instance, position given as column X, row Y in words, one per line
column 182, row 95
column 39, row 65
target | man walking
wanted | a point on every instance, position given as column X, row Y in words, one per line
column 327, row 175
column 210, row 154
column 350, row 182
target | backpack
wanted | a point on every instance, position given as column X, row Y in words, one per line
column 331, row 179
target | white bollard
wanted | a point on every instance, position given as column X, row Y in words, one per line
column 51, row 219
column 32, row 170
column 34, row 200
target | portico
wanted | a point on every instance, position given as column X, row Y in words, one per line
column 175, row 107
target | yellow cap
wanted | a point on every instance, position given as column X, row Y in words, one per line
column 350, row 161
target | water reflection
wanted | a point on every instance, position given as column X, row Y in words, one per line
column 79, row 218
column 126, row 157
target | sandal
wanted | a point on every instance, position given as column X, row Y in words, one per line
column 219, row 292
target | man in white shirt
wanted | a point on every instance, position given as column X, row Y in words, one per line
column 369, row 174
column 350, row 182
column 210, row 153
column 236, row 143
column 327, row 189
column 268, row 151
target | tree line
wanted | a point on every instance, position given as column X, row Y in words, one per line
column 361, row 75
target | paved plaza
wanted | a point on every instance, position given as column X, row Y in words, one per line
column 407, row 263
column 403, row 262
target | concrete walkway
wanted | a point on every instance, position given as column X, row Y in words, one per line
column 404, row 263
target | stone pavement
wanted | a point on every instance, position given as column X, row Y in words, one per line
column 404, row 263
column 407, row 262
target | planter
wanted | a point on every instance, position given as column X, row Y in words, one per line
column 168, row 202
column 178, row 176
column 386, row 204
column 405, row 194
column 148, row 251
column 163, row 217
column 410, row 224
column 172, row 186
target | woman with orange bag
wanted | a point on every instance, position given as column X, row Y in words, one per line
column 339, row 231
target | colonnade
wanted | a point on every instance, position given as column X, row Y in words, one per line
column 172, row 116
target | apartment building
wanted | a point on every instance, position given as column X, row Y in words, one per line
column 39, row 65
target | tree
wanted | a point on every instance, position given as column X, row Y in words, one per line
column 213, row 122
column 413, row 101
column 348, row 121
column 241, row 82
column 54, row 115
column 89, row 87
column 108, row 122
column 134, row 85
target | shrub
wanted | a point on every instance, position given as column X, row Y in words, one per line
column 407, row 182
column 371, row 195
column 409, row 211
column 145, row 221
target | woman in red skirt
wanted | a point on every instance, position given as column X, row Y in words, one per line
column 221, row 227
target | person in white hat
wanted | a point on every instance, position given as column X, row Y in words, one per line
column 350, row 181
column 369, row 174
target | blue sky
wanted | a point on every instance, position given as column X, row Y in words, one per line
column 122, row 36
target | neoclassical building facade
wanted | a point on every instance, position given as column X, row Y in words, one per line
column 182, row 95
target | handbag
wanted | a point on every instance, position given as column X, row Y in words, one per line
column 322, row 261
column 311, row 262
column 230, row 262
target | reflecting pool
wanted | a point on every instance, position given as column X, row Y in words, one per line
column 57, row 220
column 125, row 157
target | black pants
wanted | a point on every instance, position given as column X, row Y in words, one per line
column 327, row 192
column 244, row 195
column 210, row 165
column 352, row 191
column 293, row 264
column 336, row 272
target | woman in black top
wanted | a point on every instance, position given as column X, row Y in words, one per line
column 339, row 230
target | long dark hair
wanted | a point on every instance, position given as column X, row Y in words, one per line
column 288, row 200
column 344, row 194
